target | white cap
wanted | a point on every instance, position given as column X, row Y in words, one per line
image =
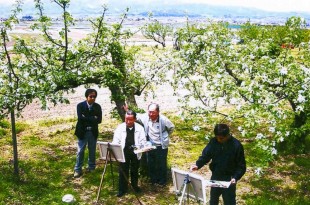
column 69, row 198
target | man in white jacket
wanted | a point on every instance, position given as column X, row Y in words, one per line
column 129, row 135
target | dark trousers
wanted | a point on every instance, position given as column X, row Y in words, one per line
column 229, row 195
column 157, row 165
column 132, row 164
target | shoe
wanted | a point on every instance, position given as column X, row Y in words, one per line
column 77, row 174
column 120, row 194
column 161, row 184
column 89, row 170
column 137, row 189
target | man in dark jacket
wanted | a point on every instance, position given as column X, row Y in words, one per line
column 89, row 116
column 228, row 163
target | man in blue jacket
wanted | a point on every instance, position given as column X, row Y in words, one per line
column 227, row 163
column 89, row 116
column 158, row 129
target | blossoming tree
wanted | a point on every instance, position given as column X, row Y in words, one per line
column 256, row 82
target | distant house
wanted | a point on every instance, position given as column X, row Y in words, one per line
column 27, row 18
column 288, row 45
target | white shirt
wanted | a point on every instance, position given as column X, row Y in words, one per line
column 154, row 132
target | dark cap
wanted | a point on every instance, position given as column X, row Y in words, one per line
column 221, row 130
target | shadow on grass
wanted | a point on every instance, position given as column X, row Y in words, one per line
column 47, row 180
column 287, row 183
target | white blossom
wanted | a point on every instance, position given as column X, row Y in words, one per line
column 274, row 151
column 207, row 137
column 301, row 91
column 272, row 129
column 283, row 71
column 233, row 101
column 287, row 133
column 301, row 98
column 239, row 107
column 259, row 136
column 258, row 171
column 196, row 128
column 281, row 139
column 240, row 128
column 299, row 108
column 305, row 69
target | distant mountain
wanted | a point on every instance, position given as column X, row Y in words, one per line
column 159, row 9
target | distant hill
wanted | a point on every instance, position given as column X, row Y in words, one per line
column 191, row 10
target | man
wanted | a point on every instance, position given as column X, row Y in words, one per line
column 157, row 128
column 130, row 135
column 228, row 163
column 89, row 116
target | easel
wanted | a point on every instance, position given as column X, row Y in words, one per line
column 185, row 187
column 108, row 159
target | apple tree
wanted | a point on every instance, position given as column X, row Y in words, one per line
column 249, row 84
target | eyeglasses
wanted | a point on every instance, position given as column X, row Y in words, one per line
column 92, row 96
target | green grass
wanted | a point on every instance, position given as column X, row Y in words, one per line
column 47, row 152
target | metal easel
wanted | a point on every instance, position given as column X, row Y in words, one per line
column 185, row 188
column 108, row 158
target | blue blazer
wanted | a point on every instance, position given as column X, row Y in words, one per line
column 88, row 118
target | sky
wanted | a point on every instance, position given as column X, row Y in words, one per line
column 268, row 5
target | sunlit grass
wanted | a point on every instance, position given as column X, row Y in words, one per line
column 47, row 156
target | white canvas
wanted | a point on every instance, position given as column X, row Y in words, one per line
column 197, row 181
column 116, row 149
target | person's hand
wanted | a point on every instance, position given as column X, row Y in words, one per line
column 125, row 107
column 233, row 181
column 193, row 168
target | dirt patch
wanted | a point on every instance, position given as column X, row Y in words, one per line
column 164, row 96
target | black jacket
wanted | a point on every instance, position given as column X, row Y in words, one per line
column 227, row 159
column 88, row 118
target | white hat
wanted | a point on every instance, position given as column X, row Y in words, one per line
column 69, row 198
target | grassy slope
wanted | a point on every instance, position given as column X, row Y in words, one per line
column 47, row 156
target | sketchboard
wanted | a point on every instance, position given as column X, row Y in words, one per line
column 116, row 148
column 215, row 183
column 198, row 182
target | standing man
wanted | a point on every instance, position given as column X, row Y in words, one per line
column 157, row 128
column 129, row 135
column 89, row 116
column 228, row 163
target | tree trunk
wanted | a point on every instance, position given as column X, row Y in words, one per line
column 300, row 120
column 14, row 139
column 121, row 99
column 131, row 100
column 296, row 142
